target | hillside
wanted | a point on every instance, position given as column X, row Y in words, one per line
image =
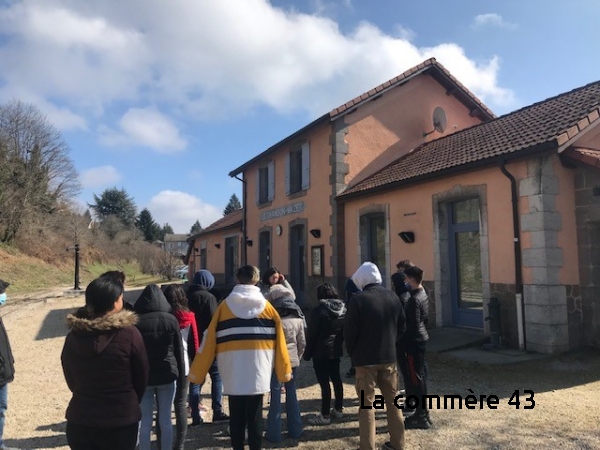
column 27, row 274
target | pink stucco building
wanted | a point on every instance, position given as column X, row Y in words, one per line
column 504, row 208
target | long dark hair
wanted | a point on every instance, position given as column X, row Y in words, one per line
column 101, row 295
column 176, row 297
column 268, row 273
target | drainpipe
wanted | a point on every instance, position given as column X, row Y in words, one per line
column 518, row 267
column 244, row 237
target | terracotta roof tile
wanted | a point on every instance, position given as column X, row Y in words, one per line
column 230, row 220
column 584, row 155
column 551, row 122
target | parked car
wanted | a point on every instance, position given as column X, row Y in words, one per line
column 181, row 272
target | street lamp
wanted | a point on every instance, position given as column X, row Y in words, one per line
column 76, row 284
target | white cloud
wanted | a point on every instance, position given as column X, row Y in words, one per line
column 146, row 128
column 205, row 59
column 491, row 19
column 99, row 177
column 181, row 210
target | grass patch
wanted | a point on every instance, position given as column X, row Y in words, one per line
column 27, row 275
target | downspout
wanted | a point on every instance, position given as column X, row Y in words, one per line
column 244, row 236
column 520, row 305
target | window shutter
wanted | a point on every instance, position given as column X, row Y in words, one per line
column 258, row 186
column 271, row 172
column 305, row 166
column 287, row 174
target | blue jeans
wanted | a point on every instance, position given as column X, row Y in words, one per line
column 216, row 393
column 292, row 410
column 165, row 394
column 3, row 407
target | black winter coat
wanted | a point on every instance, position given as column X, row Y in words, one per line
column 203, row 304
column 161, row 334
column 374, row 322
column 325, row 337
column 7, row 367
column 417, row 311
column 106, row 367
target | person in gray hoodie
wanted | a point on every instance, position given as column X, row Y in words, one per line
column 374, row 322
column 324, row 345
column 292, row 320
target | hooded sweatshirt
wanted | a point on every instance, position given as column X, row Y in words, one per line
column 247, row 338
column 292, row 320
column 160, row 330
column 105, row 365
column 375, row 320
column 325, row 331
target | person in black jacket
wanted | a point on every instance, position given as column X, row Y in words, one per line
column 324, row 345
column 402, row 290
column 7, row 369
column 160, row 331
column 374, row 322
column 415, row 342
column 204, row 304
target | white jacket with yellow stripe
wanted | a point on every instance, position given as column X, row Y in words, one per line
column 246, row 336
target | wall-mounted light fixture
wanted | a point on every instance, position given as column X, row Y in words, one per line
column 218, row 245
column 316, row 233
column 249, row 242
column 407, row 236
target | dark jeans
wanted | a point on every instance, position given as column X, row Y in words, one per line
column 180, row 404
column 325, row 370
column 245, row 411
column 83, row 437
column 216, row 393
column 416, row 380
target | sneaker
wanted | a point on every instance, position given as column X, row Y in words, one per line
column 337, row 414
column 417, row 423
column 220, row 417
column 388, row 446
column 197, row 422
column 319, row 420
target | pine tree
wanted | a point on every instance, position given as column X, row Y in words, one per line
column 115, row 202
column 166, row 229
column 233, row 205
column 196, row 228
column 146, row 224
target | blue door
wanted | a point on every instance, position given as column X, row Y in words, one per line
column 465, row 263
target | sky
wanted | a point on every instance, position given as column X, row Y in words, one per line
column 165, row 98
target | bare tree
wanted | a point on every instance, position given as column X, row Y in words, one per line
column 37, row 172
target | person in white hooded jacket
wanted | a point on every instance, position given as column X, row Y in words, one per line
column 247, row 338
column 374, row 322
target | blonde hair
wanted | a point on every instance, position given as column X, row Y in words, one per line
column 247, row 275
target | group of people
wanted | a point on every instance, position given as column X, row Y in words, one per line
column 125, row 362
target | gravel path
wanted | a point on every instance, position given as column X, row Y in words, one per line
column 566, row 413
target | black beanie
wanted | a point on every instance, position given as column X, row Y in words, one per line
column 3, row 286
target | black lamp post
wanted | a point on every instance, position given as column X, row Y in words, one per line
column 76, row 286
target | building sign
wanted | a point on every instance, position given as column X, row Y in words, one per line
column 294, row 208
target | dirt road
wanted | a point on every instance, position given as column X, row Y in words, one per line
column 566, row 392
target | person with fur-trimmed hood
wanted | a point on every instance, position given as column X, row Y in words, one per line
column 106, row 367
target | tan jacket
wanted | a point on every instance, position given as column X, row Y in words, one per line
column 293, row 329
